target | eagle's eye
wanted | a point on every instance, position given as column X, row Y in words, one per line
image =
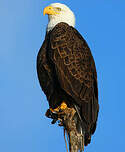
column 58, row 8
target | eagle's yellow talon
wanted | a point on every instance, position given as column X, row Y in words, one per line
column 63, row 106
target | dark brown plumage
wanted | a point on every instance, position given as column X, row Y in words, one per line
column 67, row 72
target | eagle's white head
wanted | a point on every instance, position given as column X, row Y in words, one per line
column 57, row 13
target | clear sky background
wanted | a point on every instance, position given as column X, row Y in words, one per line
column 23, row 125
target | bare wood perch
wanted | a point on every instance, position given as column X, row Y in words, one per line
column 66, row 119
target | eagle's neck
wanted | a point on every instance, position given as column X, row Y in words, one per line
column 54, row 20
column 52, row 23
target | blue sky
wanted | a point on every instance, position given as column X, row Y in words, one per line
column 23, row 125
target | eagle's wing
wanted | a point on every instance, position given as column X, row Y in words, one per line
column 44, row 71
column 75, row 70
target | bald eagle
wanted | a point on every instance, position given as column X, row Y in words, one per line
column 66, row 70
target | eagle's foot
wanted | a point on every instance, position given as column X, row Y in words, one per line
column 60, row 108
column 61, row 114
column 57, row 113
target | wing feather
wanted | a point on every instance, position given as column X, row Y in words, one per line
column 75, row 69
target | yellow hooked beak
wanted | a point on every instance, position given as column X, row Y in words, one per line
column 49, row 10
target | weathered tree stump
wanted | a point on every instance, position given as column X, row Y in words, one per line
column 66, row 119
